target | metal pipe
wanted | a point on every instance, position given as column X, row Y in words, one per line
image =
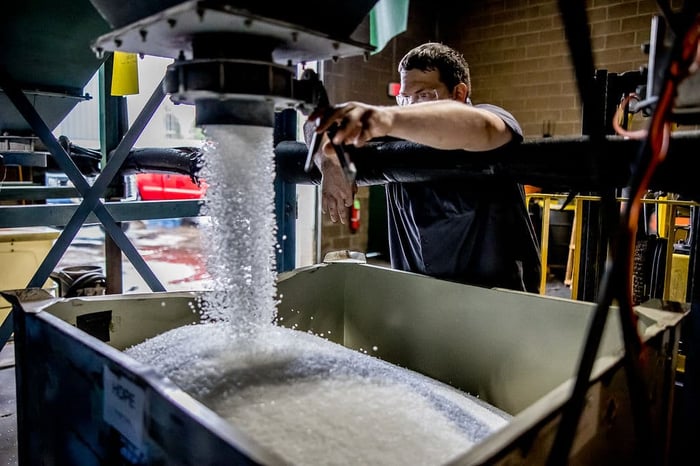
column 554, row 164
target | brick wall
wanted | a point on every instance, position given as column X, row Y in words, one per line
column 520, row 59
column 517, row 53
column 518, row 56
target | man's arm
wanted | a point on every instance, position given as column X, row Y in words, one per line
column 443, row 124
column 336, row 193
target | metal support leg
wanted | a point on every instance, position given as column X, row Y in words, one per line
column 544, row 242
column 591, row 262
column 114, row 122
column 285, row 197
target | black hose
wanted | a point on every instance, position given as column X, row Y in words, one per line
column 177, row 160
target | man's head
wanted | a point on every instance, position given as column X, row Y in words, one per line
column 438, row 64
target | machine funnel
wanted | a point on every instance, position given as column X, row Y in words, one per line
column 235, row 60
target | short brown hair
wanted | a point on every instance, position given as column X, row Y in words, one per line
column 451, row 65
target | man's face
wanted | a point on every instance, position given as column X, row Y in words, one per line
column 421, row 86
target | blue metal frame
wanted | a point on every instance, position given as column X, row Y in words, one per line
column 60, row 214
column 91, row 194
column 285, row 197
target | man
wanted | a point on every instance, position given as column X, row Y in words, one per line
column 476, row 232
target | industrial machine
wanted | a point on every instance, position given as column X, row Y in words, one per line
column 235, row 62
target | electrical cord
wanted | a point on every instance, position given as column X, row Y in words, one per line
column 617, row 283
column 73, row 149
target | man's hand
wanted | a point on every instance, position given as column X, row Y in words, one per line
column 337, row 193
column 357, row 122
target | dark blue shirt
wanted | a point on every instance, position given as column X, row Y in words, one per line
column 470, row 231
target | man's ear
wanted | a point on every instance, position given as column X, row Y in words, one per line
column 460, row 92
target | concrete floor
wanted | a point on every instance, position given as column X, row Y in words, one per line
column 8, row 407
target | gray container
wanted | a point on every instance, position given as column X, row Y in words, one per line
column 516, row 351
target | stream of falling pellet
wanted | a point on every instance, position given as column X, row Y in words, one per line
column 299, row 396
column 239, row 240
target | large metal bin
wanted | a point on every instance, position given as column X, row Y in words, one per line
column 515, row 351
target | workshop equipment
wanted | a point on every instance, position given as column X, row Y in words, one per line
column 513, row 350
column 522, row 366
column 235, row 60
column 21, row 252
column 45, row 53
column 79, row 280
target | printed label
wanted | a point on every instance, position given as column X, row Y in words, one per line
column 123, row 406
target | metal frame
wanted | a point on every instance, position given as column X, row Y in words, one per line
column 45, row 214
column 91, row 195
column 285, row 197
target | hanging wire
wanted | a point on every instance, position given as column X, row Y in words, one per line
column 617, row 281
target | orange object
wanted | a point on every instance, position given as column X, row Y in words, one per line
column 355, row 216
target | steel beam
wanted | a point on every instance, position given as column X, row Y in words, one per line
column 61, row 214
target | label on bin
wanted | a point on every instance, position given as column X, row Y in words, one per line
column 123, row 406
